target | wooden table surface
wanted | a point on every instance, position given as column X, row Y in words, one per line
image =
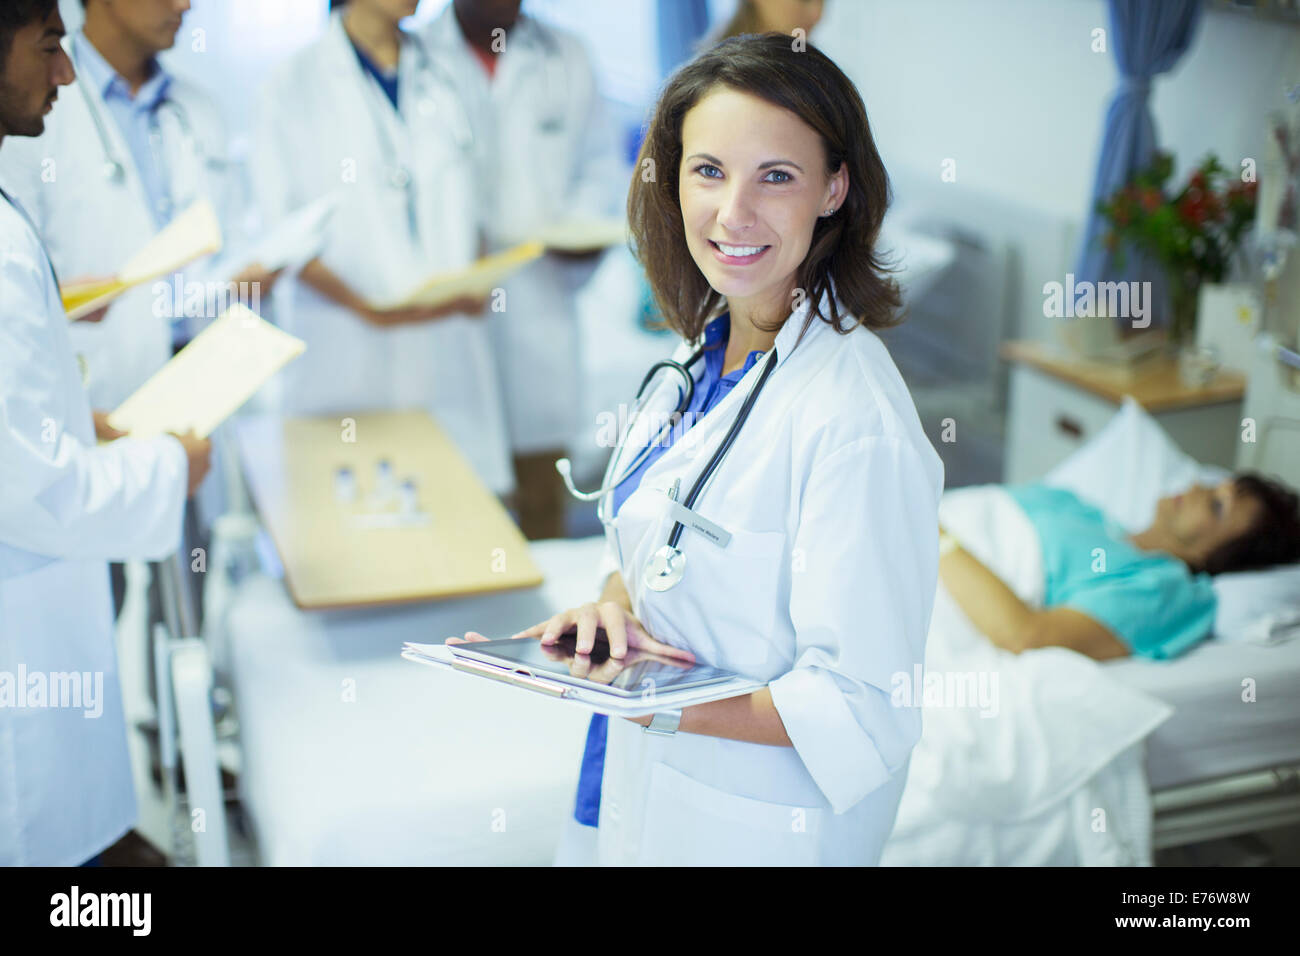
column 1153, row 381
column 369, row 552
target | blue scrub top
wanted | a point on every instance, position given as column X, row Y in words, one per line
column 387, row 81
column 712, row 388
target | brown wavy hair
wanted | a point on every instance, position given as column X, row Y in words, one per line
column 842, row 257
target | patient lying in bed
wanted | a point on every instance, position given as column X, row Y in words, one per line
column 1109, row 594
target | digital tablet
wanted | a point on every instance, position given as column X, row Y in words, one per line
column 638, row 673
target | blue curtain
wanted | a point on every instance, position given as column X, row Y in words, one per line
column 680, row 24
column 1147, row 39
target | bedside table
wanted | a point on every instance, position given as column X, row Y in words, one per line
column 1058, row 401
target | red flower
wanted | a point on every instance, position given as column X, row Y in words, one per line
column 1193, row 210
column 1198, row 179
column 1151, row 199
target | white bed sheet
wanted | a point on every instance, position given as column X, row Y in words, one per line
column 1213, row 731
column 419, row 766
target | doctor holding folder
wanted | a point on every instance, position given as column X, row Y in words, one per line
column 367, row 114
column 783, row 525
column 67, row 505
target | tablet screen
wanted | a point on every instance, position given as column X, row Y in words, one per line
column 639, row 672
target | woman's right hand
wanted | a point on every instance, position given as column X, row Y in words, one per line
column 622, row 630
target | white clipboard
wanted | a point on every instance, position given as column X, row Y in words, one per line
column 591, row 699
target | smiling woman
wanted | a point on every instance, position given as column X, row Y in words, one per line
column 804, row 218
column 789, row 532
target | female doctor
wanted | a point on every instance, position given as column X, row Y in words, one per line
column 800, row 444
column 369, row 115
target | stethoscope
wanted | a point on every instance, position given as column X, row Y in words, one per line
column 114, row 169
column 397, row 173
column 667, row 565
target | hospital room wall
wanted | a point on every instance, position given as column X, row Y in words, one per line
column 1011, row 90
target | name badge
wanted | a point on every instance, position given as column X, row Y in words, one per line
column 715, row 533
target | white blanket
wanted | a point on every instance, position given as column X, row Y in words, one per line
column 1030, row 759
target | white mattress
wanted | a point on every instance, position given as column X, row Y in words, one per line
column 1213, row 732
column 352, row 755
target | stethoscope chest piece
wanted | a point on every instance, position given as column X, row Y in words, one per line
column 665, row 568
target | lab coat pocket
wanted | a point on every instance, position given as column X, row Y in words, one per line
column 738, row 589
column 691, row 823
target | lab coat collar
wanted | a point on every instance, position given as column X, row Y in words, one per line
column 793, row 332
column 101, row 77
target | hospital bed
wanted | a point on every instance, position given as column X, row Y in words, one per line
column 1223, row 767
column 1219, row 766
column 1220, row 752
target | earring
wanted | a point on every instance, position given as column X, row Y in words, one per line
column 829, row 212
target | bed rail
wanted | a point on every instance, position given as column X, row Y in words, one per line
column 1229, row 806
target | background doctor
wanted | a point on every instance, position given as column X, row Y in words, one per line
column 366, row 113
column 128, row 147
column 545, row 155
column 66, row 505
column 830, row 491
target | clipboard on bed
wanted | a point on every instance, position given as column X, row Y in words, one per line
column 639, row 685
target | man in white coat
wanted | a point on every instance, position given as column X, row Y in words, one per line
column 546, row 155
column 128, row 148
column 67, row 506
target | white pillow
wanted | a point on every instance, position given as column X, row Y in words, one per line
column 1130, row 465
column 1262, row 607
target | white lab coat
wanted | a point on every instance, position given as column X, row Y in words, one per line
column 831, row 495
column 92, row 224
column 66, row 506
column 547, row 155
column 318, row 132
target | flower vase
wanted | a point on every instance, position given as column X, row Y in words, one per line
column 1184, row 295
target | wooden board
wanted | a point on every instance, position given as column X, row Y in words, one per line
column 337, row 554
column 1153, row 382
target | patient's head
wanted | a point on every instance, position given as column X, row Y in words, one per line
column 1245, row 523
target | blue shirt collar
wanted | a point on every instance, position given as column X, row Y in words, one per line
column 101, row 76
column 716, row 334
